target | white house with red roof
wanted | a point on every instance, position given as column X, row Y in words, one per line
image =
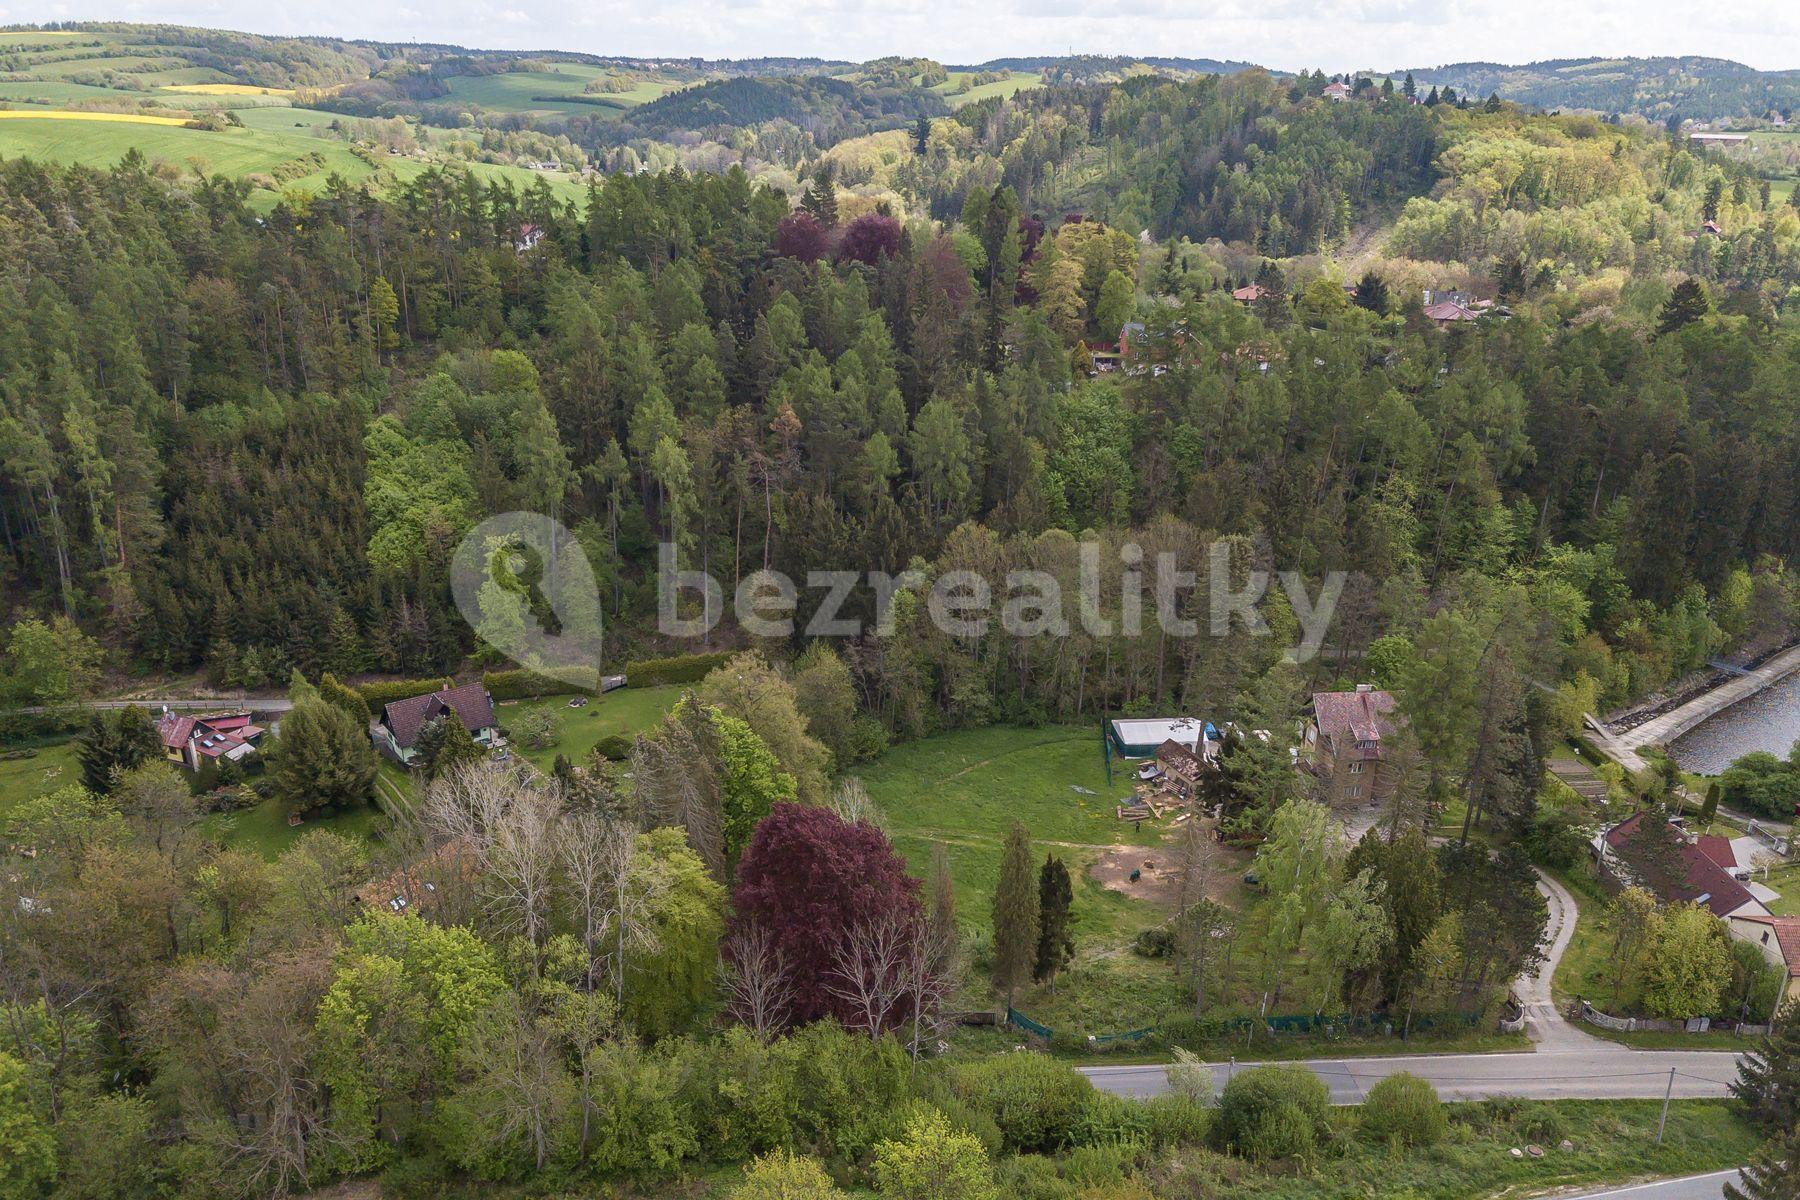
column 397, row 732
column 1677, row 866
column 195, row 741
column 1779, row 940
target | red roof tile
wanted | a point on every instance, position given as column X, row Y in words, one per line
column 1704, row 881
column 470, row 702
column 1787, row 936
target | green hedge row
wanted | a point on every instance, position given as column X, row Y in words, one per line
column 682, row 668
column 527, row 685
column 379, row 692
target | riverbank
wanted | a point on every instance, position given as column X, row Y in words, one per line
column 1623, row 746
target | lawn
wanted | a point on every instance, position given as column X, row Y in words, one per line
column 1586, row 972
column 626, row 711
column 263, row 828
column 47, row 768
column 61, row 91
column 964, row 790
column 557, row 92
column 236, row 152
column 1019, row 81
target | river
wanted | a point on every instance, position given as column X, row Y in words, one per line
column 1769, row 720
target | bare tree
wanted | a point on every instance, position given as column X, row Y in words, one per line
column 509, row 823
column 852, row 802
column 636, row 890
column 758, row 981
column 518, row 1086
column 869, row 969
column 677, row 785
column 927, row 982
column 1202, row 924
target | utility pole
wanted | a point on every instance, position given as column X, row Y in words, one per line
column 1667, row 1092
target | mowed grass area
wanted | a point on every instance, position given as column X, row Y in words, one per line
column 964, row 790
column 1018, row 81
column 1586, row 972
column 46, row 769
column 263, row 828
column 624, row 712
column 556, row 92
column 232, row 152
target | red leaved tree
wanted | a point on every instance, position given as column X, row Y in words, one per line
column 800, row 236
column 870, row 238
column 810, row 889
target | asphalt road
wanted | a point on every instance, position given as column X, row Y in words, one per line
column 1694, row 1187
column 1603, row 1072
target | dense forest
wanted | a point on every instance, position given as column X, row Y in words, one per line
column 240, row 445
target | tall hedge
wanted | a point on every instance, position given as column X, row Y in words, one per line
column 527, row 685
column 382, row 692
column 682, row 668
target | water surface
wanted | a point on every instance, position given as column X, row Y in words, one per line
column 1769, row 720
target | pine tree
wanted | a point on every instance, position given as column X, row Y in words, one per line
column 1056, row 943
column 1015, row 915
column 922, row 135
column 1774, row 1174
column 1768, row 1081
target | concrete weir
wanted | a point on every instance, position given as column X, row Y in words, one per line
column 1663, row 729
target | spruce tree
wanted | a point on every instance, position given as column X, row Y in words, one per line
column 1768, row 1081
column 1686, row 304
column 1774, row 1174
column 1015, row 915
column 1056, row 943
column 114, row 742
column 444, row 743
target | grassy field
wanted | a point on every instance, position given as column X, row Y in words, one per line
column 555, row 93
column 61, row 91
column 263, row 828
column 964, row 790
column 258, row 149
column 48, row 768
column 1020, row 81
column 626, row 711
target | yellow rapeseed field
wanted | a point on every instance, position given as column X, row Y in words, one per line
column 56, row 114
column 226, row 89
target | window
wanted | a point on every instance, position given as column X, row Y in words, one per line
column 1356, row 767
column 1353, row 791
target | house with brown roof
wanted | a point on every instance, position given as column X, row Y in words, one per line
column 1779, row 940
column 397, row 731
column 1676, row 866
column 1250, row 294
column 193, row 742
column 419, row 885
column 1339, row 92
column 1345, row 740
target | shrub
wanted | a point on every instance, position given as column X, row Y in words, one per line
column 1109, row 1120
column 1175, row 1121
column 1037, row 1102
column 1404, row 1109
column 681, row 668
column 527, row 685
column 1157, row 942
column 784, row 1176
column 1539, row 1123
column 614, row 746
column 933, row 1161
column 1190, row 1078
column 387, row 691
column 1268, row 1113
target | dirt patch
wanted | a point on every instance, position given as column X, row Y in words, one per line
column 1157, row 868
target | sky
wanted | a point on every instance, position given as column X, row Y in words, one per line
column 1284, row 34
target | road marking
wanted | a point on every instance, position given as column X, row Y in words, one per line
column 1661, row 1183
